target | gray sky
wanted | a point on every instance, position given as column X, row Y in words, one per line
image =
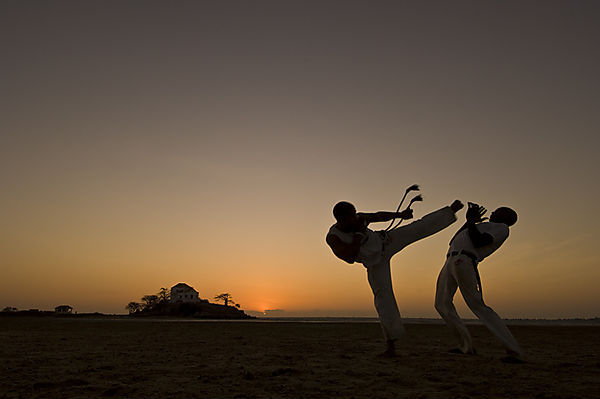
column 171, row 124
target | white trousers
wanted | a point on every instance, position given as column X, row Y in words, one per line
column 459, row 272
column 379, row 274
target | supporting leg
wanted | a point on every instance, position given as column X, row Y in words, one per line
column 444, row 294
column 465, row 275
column 380, row 280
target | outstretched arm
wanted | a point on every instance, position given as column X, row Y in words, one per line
column 386, row 216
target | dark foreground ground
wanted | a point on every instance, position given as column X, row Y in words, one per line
column 83, row 358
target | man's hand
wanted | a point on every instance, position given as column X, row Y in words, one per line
column 456, row 206
column 475, row 213
column 406, row 214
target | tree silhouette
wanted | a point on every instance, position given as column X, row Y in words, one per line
column 150, row 301
column 133, row 307
column 164, row 295
column 226, row 298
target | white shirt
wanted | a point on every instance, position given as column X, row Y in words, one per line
column 371, row 247
column 462, row 241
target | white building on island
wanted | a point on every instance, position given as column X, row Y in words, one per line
column 63, row 309
column 184, row 293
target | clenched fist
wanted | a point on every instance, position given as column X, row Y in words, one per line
column 406, row 214
column 456, row 206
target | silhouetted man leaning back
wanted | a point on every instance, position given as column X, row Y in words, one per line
column 473, row 242
column 352, row 241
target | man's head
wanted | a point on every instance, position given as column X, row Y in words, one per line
column 504, row 215
column 344, row 212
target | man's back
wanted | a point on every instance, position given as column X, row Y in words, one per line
column 370, row 248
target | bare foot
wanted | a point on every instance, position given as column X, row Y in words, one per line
column 512, row 359
column 390, row 350
column 461, row 352
column 388, row 353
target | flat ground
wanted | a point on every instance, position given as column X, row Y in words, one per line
column 89, row 358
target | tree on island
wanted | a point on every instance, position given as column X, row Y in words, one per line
column 164, row 295
column 160, row 304
column 150, row 301
column 226, row 298
column 133, row 307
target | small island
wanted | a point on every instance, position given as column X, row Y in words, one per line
column 182, row 300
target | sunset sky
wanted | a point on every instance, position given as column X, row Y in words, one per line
column 149, row 143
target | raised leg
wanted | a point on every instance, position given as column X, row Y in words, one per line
column 417, row 230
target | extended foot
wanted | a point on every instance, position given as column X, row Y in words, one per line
column 390, row 350
column 388, row 353
column 512, row 357
column 461, row 352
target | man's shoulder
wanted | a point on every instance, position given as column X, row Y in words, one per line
column 499, row 226
column 334, row 231
column 498, row 230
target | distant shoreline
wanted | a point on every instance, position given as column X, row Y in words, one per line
column 409, row 320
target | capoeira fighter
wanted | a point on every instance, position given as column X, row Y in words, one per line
column 473, row 242
column 352, row 241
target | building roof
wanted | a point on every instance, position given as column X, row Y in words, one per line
column 183, row 285
column 64, row 307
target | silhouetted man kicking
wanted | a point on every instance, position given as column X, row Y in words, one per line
column 473, row 242
column 352, row 241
